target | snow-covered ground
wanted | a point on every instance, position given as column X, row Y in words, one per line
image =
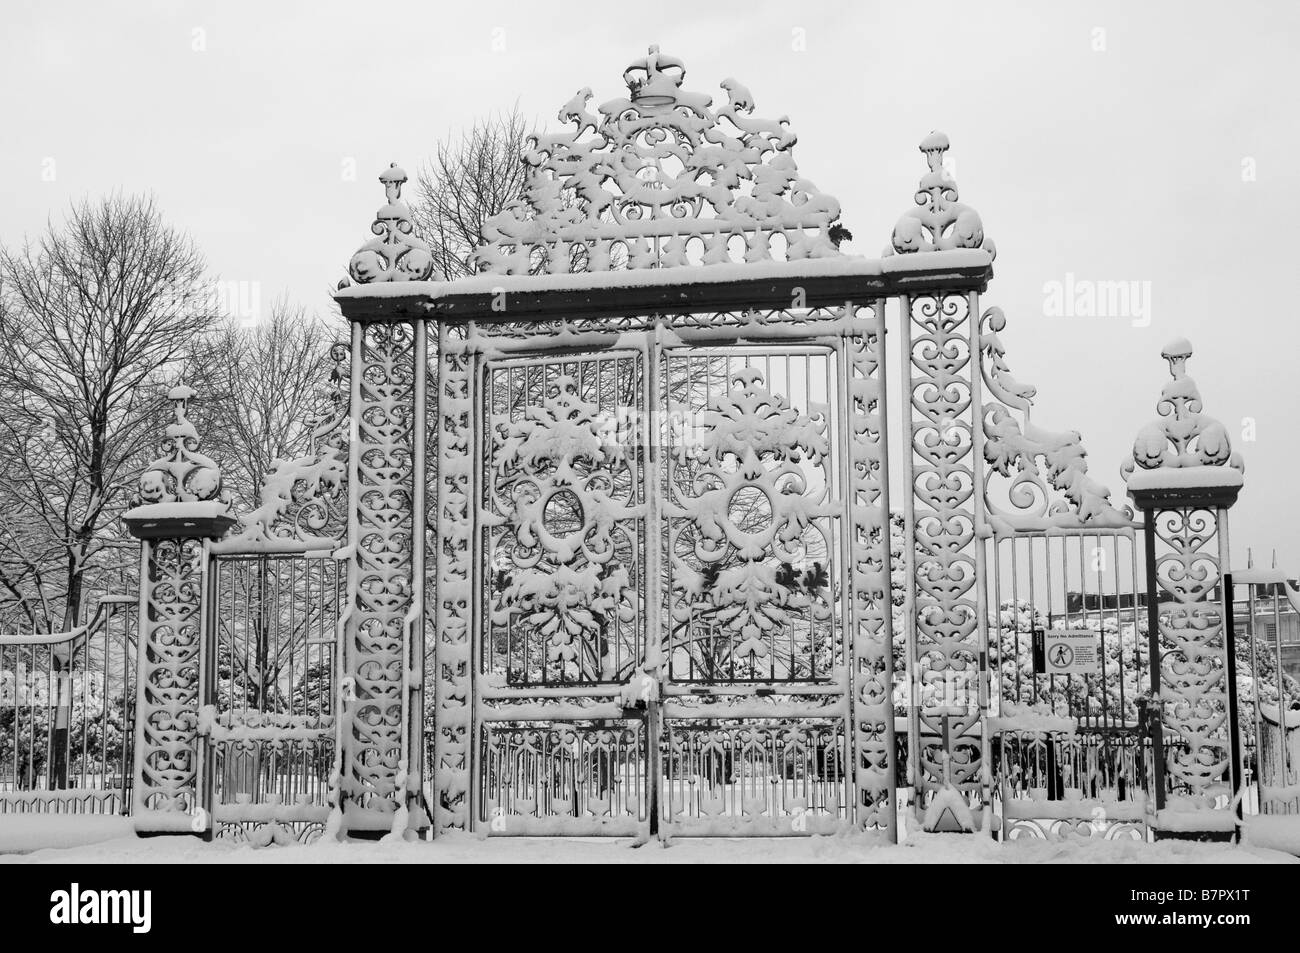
column 29, row 832
column 917, row 849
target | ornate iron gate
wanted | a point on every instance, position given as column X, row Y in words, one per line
column 563, row 621
column 659, row 591
column 660, row 528
column 651, row 589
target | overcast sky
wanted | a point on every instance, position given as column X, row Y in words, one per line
column 1153, row 143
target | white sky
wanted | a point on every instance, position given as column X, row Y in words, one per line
column 1119, row 164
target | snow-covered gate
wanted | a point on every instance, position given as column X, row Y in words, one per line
column 658, row 560
column 603, row 533
column 596, row 541
column 269, row 692
column 274, row 595
column 663, row 510
column 235, row 728
column 658, row 587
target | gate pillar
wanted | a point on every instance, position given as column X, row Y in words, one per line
column 380, row 703
column 946, row 619
column 1184, row 476
column 180, row 508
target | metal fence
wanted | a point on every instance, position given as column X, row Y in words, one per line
column 1069, row 751
column 1075, row 752
column 67, row 706
column 1269, row 702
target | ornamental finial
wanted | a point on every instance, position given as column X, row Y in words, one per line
column 1184, row 437
column 940, row 222
column 396, row 254
column 181, row 474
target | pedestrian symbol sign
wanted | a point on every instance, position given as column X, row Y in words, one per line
column 1062, row 655
column 1067, row 652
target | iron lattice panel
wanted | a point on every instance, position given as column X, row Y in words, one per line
column 564, row 514
column 751, row 494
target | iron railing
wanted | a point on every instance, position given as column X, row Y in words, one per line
column 67, row 715
column 1269, row 723
column 1069, row 751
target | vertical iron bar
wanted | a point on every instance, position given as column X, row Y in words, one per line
column 1156, row 715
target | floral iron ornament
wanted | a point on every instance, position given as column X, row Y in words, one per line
column 939, row 222
column 396, row 254
column 660, row 178
column 1184, row 439
column 757, row 494
column 182, row 474
column 562, row 487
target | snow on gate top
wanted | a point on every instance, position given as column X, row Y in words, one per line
column 662, row 179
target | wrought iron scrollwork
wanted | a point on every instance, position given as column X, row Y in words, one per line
column 939, row 222
column 659, row 179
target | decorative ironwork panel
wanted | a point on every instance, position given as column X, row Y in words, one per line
column 385, row 591
column 302, row 502
column 562, row 613
column 942, row 474
column 564, row 520
column 1193, row 664
column 752, row 504
column 660, row 179
column 563, row 777
column 751, row 776
column 167, row 712
column 872, row 711
column 452, row 715
column 772, row 575
column 1026, row 462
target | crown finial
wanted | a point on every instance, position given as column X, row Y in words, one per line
column 653, row 81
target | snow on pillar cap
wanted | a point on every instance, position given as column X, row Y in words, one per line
column 1185, row 452
column 396, row 254
column 940, row 222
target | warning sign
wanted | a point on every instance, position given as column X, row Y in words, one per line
column 1066, row 652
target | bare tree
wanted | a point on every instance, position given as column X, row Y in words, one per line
column 467, row 182
column 94, row 315
column 265, row 387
